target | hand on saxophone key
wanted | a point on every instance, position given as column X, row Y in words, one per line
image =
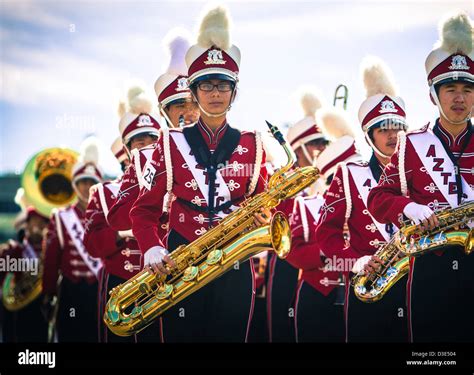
column 366, row 264
column 373, row 265
column 156, row 259
column 421, row 215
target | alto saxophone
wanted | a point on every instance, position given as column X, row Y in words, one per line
column 453, row 229
column 134, row 305
column 371, row 287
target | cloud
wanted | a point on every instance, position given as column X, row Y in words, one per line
column 34, row 13
column 342, row 20
column 54, row 78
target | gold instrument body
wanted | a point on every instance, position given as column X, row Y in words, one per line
column 47, row 183
column 410, row 241
column 453, row 229
column 373, row 286
column 134, row 305
column 19, row 292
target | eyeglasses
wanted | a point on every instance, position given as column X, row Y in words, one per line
column 221, row 86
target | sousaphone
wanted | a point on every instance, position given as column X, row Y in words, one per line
column 47, row 181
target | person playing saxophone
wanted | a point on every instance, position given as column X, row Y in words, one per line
column 432, row 170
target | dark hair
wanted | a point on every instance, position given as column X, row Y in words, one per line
column 318, row 142
column 20, row 235
column 175, row 102
column 329, row 179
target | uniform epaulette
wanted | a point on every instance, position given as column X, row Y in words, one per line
column 149, row 147
column 419, row 131
column 358, row 163
column 177, row 130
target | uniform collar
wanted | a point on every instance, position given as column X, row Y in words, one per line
column 448, row 137
column 212, row 138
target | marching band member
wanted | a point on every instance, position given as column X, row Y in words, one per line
column 174, row 97
column 431, row 171
column 320, row 291
column 29, row 322
column 66, row 255
column 347, row 233
column 206, row 170
column 342, row 148
column 118, row 250
column 176, row 106
column 8, row 318
column 306, row 140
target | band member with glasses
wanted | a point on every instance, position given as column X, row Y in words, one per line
column 199, row 175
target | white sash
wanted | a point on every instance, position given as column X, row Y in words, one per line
column 198, row 174
column 360, row 176
column 314, row 205
column 113, row 188
column 76, row 232
column 422, row 143
column 139, row 169
column 28, row 250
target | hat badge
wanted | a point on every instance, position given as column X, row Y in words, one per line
column 387, row 106
column 182, row 84
column 459, row 62
column 89, row 169
column 144, row 120
column 214, row 56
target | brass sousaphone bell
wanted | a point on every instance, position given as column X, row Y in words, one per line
column 47, row 181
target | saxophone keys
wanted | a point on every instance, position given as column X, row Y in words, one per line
column 381, row 282
column 113, row 316
column 361, row 289
column 214, row 257
column 190, row 273
column 392, row 272
column 424, row 242
column 136, row 312
column 440, row 238
column 164, row 291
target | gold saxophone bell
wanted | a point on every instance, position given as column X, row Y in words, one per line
column 134, row 305
column 47, row 183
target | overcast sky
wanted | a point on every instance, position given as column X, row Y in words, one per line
column 66, row 64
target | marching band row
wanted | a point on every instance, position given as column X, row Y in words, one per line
column 184, row 175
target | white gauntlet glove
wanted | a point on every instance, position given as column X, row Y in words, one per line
column 417, row 212
column 155, row 255
column 360, row 263
column 126, row 234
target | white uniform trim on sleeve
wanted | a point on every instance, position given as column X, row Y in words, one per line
column 402, row 139
column 169, row 170
column 258, row 163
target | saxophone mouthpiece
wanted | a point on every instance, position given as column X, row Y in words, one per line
column 276, row 133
